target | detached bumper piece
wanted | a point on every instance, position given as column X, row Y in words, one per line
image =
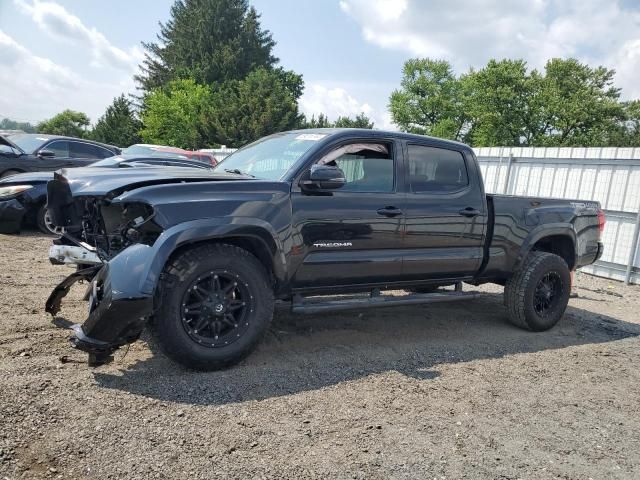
column 117, row 313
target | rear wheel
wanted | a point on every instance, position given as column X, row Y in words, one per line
column 537, row 295
column 216, row 304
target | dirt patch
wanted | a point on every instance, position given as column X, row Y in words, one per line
column 446, row 391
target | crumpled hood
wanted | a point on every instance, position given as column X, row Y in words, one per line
column 101, row 181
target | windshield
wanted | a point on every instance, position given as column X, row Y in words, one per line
column 29, row 142
column 271, row 157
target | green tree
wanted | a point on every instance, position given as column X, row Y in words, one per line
column 210, row 41
column 68, row 122
column 360, row 121
column 430, row 100
column 244, row 110
column 581, row 105
column 500, row 101
column 119, row 125
column 321, row 122
column 8, row 124
column 175, row 115
column 504, row 103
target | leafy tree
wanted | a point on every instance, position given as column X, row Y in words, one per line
column 499, row 101
column 361, row 121
column 504, row 103
column 321, row 122
column 580, row 104
column 175, row 115
column 430, row 100
column 119, row 125
column 68, row 122
column 8, row 124
column 244, row 110
column 210, row 41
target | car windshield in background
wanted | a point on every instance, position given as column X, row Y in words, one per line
column 108, row 162
column 270, row 158
column 29, row 142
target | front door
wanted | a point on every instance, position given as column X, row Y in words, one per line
column 351, row 235
column 445, row 215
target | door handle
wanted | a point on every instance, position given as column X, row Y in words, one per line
column 469, row 212
column 389, row 211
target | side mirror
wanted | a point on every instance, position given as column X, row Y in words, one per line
column 323, row 177
column 44, row 153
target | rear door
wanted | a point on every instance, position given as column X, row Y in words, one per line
column 445, row 212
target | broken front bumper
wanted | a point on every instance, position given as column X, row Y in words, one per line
column 117, row 307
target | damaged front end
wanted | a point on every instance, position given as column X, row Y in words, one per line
column 121, row 236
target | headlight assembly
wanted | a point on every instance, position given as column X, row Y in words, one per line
column 13, row 190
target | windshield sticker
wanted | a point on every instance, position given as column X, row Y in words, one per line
column 314, row 137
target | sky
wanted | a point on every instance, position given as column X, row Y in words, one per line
column 80, row 54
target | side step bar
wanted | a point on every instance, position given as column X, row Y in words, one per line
column 376, row 300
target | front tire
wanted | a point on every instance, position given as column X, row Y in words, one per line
column 44, row 224
column 537, row 295
column 216, row 304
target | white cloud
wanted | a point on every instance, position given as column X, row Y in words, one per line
column 470, row 33
column 337, row 102
column 35, row 88
column 59, row 23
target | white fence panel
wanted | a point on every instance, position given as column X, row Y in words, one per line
column 608, row 175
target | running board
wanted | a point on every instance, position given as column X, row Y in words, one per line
column 306, row 307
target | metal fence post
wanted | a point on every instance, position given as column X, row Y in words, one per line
column 634, row 250
column 507, row 180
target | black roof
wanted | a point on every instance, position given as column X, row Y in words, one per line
column 373, row 133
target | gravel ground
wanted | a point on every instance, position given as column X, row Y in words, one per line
column 445, row 391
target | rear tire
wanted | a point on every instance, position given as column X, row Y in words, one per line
column 536, row 296
column 206, row 291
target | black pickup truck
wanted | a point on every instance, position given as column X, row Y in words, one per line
column 295, row 217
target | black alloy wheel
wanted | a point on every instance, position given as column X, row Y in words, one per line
column 215, row 309
column 547, row 294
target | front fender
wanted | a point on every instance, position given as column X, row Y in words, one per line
column 149, row 261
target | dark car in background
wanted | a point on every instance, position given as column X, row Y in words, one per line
column 147, row 149
column 35, row 152
column 23, row 197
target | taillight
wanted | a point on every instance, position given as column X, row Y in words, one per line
column 601, row 221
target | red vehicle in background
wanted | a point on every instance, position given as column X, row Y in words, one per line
column 143, row 148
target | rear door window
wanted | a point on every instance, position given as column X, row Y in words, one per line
column 436, row 170
column 86, row 150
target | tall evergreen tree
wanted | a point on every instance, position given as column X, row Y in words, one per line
column 244, row 110
column 119, row 125
column 210, row 41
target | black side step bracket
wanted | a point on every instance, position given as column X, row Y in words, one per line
column 317, row 305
